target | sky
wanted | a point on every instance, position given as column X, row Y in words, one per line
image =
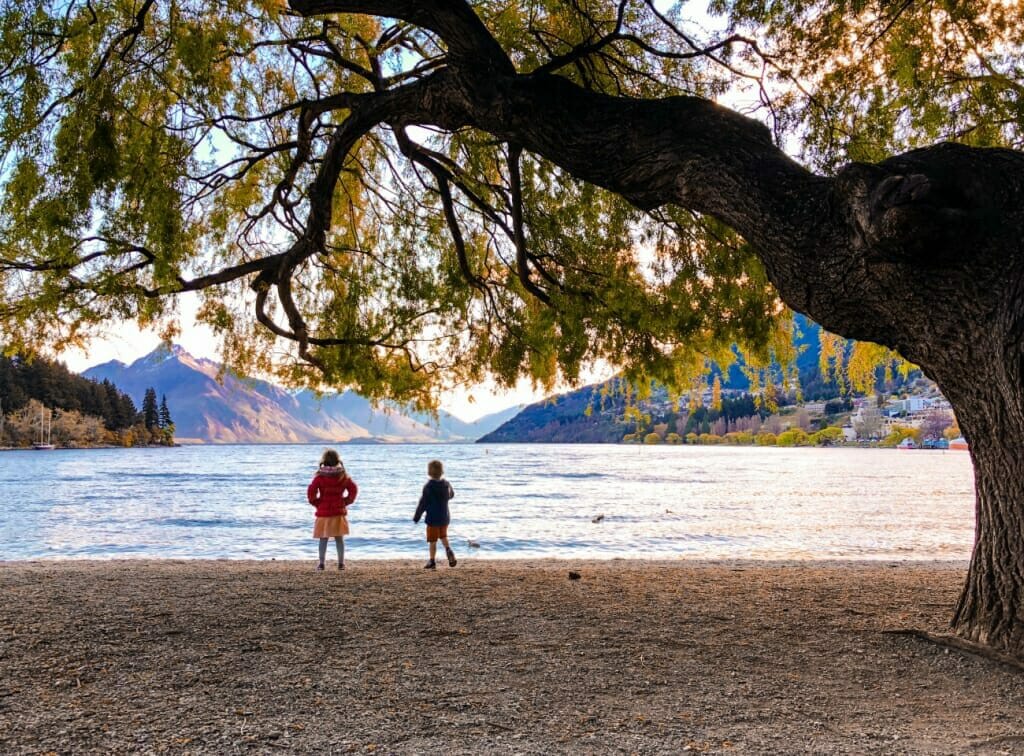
column 125, row 342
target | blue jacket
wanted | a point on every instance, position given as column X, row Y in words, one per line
column 434, row 502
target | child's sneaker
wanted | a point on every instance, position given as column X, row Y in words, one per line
column 341, row 565
column 452, row 561
column 431, row 565
column 320, row 567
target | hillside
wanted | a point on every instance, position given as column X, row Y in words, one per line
column 41, row 401
column 591, row 415
column 54, row 386
column 565, row 418
column 210, row 408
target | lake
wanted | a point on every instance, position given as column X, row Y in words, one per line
column 516, row 501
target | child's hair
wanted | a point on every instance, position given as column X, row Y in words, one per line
column 435, row 469
column 330, row 459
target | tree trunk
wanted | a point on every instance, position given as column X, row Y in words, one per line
column 991, row 415
column 991, row 607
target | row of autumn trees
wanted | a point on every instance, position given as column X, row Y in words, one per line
column 77, row 411
column 747, row 420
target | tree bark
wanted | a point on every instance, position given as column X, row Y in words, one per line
column 988, row 396
column 991, row 607
column 921, row 253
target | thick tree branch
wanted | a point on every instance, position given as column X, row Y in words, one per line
column 223, row 276
column 452, row 20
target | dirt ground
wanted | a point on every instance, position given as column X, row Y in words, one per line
column 496, row 657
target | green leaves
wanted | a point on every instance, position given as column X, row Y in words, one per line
column 152, row 148
column 881, row 78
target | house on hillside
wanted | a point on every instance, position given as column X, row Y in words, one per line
column 815, row 408
column 907, row 406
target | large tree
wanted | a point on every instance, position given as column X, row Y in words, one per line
column 419, row 194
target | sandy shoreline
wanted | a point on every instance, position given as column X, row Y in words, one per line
column 493, row 656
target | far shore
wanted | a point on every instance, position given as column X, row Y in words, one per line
column 533, row 657
column 378, row 442
column 91, row 448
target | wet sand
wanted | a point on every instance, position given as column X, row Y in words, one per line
column 493, row 656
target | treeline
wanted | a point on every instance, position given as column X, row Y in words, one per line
column 740, row 420
column 743, row 413
column 41, row 400
column 54, row 386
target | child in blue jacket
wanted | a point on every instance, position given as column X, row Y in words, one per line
column 434, row 503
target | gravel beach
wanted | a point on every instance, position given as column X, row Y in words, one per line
column 493, row 656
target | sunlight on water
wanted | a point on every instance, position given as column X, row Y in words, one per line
column 514, row 500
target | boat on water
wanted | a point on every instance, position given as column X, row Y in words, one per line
column 959, row 443
column 43, row 444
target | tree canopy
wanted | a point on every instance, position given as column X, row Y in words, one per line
column 298, row 167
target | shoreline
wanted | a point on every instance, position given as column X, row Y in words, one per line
column 384, row 442
column 467, row 557
column 95, row 448
column 720, row 656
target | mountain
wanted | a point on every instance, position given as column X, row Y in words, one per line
column 807, row 340
column 565, row 419
column 209, row 405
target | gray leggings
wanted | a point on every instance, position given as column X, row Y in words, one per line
column 339, row 542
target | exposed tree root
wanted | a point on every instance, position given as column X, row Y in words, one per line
column 948, row 640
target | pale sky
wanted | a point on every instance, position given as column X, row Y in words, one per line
column 127, row 343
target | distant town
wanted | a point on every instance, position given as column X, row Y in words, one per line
column 795, row 407
column 917, row 417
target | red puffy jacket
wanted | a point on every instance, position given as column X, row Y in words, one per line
column 331, row 493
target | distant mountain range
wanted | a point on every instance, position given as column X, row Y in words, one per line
column 243, row 410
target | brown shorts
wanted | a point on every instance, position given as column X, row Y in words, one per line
column 434, row 532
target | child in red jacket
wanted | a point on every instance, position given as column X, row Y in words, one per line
column 332, row 493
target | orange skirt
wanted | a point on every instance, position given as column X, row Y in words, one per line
column 330, row 527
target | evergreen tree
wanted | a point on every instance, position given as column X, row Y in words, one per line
column 123, row 413
column 150, row 413
column 127, row 412
column 165, row 414
column 166, row 423
column 54, row 386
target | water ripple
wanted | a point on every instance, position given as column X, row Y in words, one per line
column 514, row 501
